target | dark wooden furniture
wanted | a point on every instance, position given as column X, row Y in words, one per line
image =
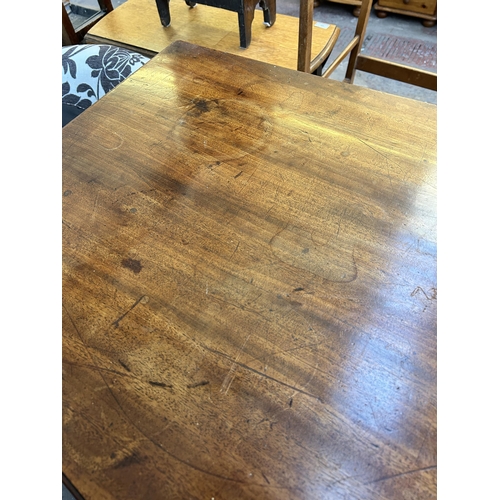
column 249, row 287
column 362, row 62
column 424, row 9
column 244, row 8
column 73, row 35
column 212, row 28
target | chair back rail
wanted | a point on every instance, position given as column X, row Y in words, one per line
column 357, row 61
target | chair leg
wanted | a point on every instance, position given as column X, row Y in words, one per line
column 364, row 15
column 319, row 70
column 351, row 69
column 245, row 19
column 69, row 36
column 269, row 9
column 164, row 12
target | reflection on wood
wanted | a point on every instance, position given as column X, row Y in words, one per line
column 249, row 287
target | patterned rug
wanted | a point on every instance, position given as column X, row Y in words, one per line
column 400, row 50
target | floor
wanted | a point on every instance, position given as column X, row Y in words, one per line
column 398, row 38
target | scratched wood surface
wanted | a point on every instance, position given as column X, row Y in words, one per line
column 249, row 287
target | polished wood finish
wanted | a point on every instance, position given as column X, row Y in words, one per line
column 244, row 8
column 134, row 25
column 249, row 287
column 423, row 9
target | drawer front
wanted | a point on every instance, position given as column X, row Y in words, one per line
column 420, row 6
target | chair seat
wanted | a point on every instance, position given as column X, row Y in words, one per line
column 244, row 8
column 135, row 25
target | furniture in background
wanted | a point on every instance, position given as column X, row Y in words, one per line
column 91, row 71
column 361, row 62
column 134, row 25
column 249, row 287
column 244, row 8
column 293, row 43
column 356, row 3
column 74, row 31
column 424, row 9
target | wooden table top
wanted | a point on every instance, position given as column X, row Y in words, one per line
column 136, row 25
column 249, row 287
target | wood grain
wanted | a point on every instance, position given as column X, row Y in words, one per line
column 249, row 287
column 136, row 25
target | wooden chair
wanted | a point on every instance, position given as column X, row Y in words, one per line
column 73, row 35
column 244, row 8
column 134, row 25
column 357, row 61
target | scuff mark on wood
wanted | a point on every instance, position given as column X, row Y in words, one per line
column 198, row 384
column 124, row 365
column 117, row 321
column 160, row 384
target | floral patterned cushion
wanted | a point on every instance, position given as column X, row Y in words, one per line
column 90, row 71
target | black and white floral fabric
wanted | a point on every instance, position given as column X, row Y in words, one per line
column 91, row 71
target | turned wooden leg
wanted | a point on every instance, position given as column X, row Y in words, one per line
column 356, row 11
column 164, row 12
column 428, row 24
column 269, row 9
column 317, row 3
column 381, row 14
column 245, row 19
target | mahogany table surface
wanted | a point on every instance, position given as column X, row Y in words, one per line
column 249, row 287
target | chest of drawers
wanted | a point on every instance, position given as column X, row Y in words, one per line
column 424, row 9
